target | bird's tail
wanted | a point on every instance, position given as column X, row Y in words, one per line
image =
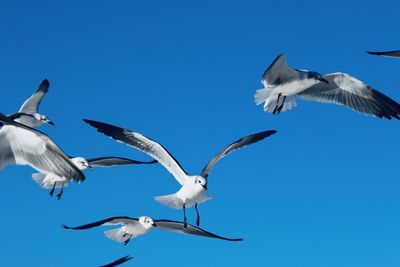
column 262, row 95
column 271, row 102
column 171, row 201
column 118, row 234
column 44, row 182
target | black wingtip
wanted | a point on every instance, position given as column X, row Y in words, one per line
column 373, row 53
column 118, row 262
column 65, row 226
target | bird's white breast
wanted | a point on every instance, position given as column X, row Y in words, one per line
column 294, row 87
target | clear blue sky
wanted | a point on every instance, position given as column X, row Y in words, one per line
column 324, row 191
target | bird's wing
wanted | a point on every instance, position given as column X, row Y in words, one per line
column 31, row 105
column 118, row 262
column 115, row 161
column 250, row 139
column 278, row 72
column 190, row 229
column 346, row 90
column 144, row 144
column 109, row 221
column 395, row 53
column 32, row 147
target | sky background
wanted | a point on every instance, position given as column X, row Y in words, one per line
column 324, row 191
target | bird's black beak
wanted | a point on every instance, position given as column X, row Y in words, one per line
column 323, row 80
column 154, row 224
column 90, row 167
column 205, row 187
column 50, row 122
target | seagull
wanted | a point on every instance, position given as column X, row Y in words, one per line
column 28, row 113
column 194, row 187
column 395, row 53
column 52, row 181
column 282, row 84
column 118, row 262
column 22, row 145
column 134, row 227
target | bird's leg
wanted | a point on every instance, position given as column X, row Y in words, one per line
column 61, row 192
column 127, row 241
column 51, row 193
column 198, row 216
column 281, row 106
column 277, row 105
column 184, row 216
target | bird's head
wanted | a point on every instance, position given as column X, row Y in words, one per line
column 81, row 163
column 44, row 119
column 201, row 181
column 147, row 222
column 316, row 76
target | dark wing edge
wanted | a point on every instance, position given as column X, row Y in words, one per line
column 394, row 53
column 44, row 86
column 191, row 229
column 116, row 161
column 97, row 223
column 118, row 262
column 242, row 142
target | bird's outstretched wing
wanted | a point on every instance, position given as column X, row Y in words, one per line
column 118, row 262
column 31, row 105
column 23, row 145
column 250, row 139
column 144, row 144
column 115, row 161
column 394, row 53
column 347, row 90
column 278, row 72
column 190, row 229
column 108, row 221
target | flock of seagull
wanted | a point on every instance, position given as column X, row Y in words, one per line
column 22, row 144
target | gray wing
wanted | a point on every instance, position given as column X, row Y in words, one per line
column 144, row 144
column 232, row 147
column 345, row 89
column 31, row 105
column 118, row 262
column 191, row 229
column 23, row 145
column 278, row 72
column 115, row 161
column 395, row 53
column 108, row 221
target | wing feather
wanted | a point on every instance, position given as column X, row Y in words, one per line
column 31, row 105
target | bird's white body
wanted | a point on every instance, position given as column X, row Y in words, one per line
column 189, row 194
column 130, row 229
column 51, row 180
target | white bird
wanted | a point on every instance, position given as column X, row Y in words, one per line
column 282, row 84
column 395, row 53
column 194, row 187
column 22, row 145
column 28, row 113
column 134, row 227
column 118, row 262
column 53, row 181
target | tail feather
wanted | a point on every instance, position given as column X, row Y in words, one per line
column 45, row 181
column 262, row 95
column 171, row 201
column 118, row 234
column 271, row 102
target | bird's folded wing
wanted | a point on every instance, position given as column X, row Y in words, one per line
column 144, row 144
column 115, row 161
column 347, row 90
column 190, row 229
column 278, row 72
column 242, row 142
column 31, row 105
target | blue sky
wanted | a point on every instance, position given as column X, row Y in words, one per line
column 324, row 191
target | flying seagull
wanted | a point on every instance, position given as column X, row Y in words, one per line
column 194, row 187
column 28, row 113
column 282, row 84
column 52, row 181
column 395, row 53
column 118, row 262
column 22, row 145
column 134, row 227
